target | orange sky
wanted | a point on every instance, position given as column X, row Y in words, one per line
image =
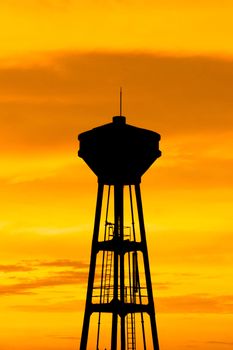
column 61, row 65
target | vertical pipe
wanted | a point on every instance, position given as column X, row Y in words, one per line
column 115, row 269
column 118, row 237
column 147, row 268
column 94, row 251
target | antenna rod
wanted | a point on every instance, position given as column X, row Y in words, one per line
column 120, row 101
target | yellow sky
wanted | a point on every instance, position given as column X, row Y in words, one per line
column 61, row 65
column 167, row 26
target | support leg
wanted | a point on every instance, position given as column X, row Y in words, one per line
column 88, row 311
column 147, row 268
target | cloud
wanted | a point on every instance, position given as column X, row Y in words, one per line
column 183, row 304
column 45, row 104
column 30, row 265
column 57, row 279
column 163, row 285
column 201, row 173
column 73, row 305
column 224, row 343
column 64, row 263
column 65, row 337
column 186, row 99
column 195, row 303
column 15, row 268
column 57, row 275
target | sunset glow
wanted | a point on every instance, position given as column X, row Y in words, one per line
column 61, row 66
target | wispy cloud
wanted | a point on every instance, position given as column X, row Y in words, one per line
column 224, row 343
column 56, row 273
column 65, row 337
column 57, row 279
column 164, row 285
column 53, row 230
column 65, row 263
column 195, row 303
column 73, row 305
column 30, row 265
column 15, row 268
column 200, row 108
column 197, row 88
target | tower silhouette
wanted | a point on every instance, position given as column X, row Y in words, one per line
column 119, row 288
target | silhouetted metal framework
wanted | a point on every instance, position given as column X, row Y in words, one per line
column 119, row 154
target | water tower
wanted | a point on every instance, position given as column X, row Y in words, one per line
column 119, row 282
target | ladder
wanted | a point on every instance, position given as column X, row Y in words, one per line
column 131, row 338
column 108, row 263
column 107, row 276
